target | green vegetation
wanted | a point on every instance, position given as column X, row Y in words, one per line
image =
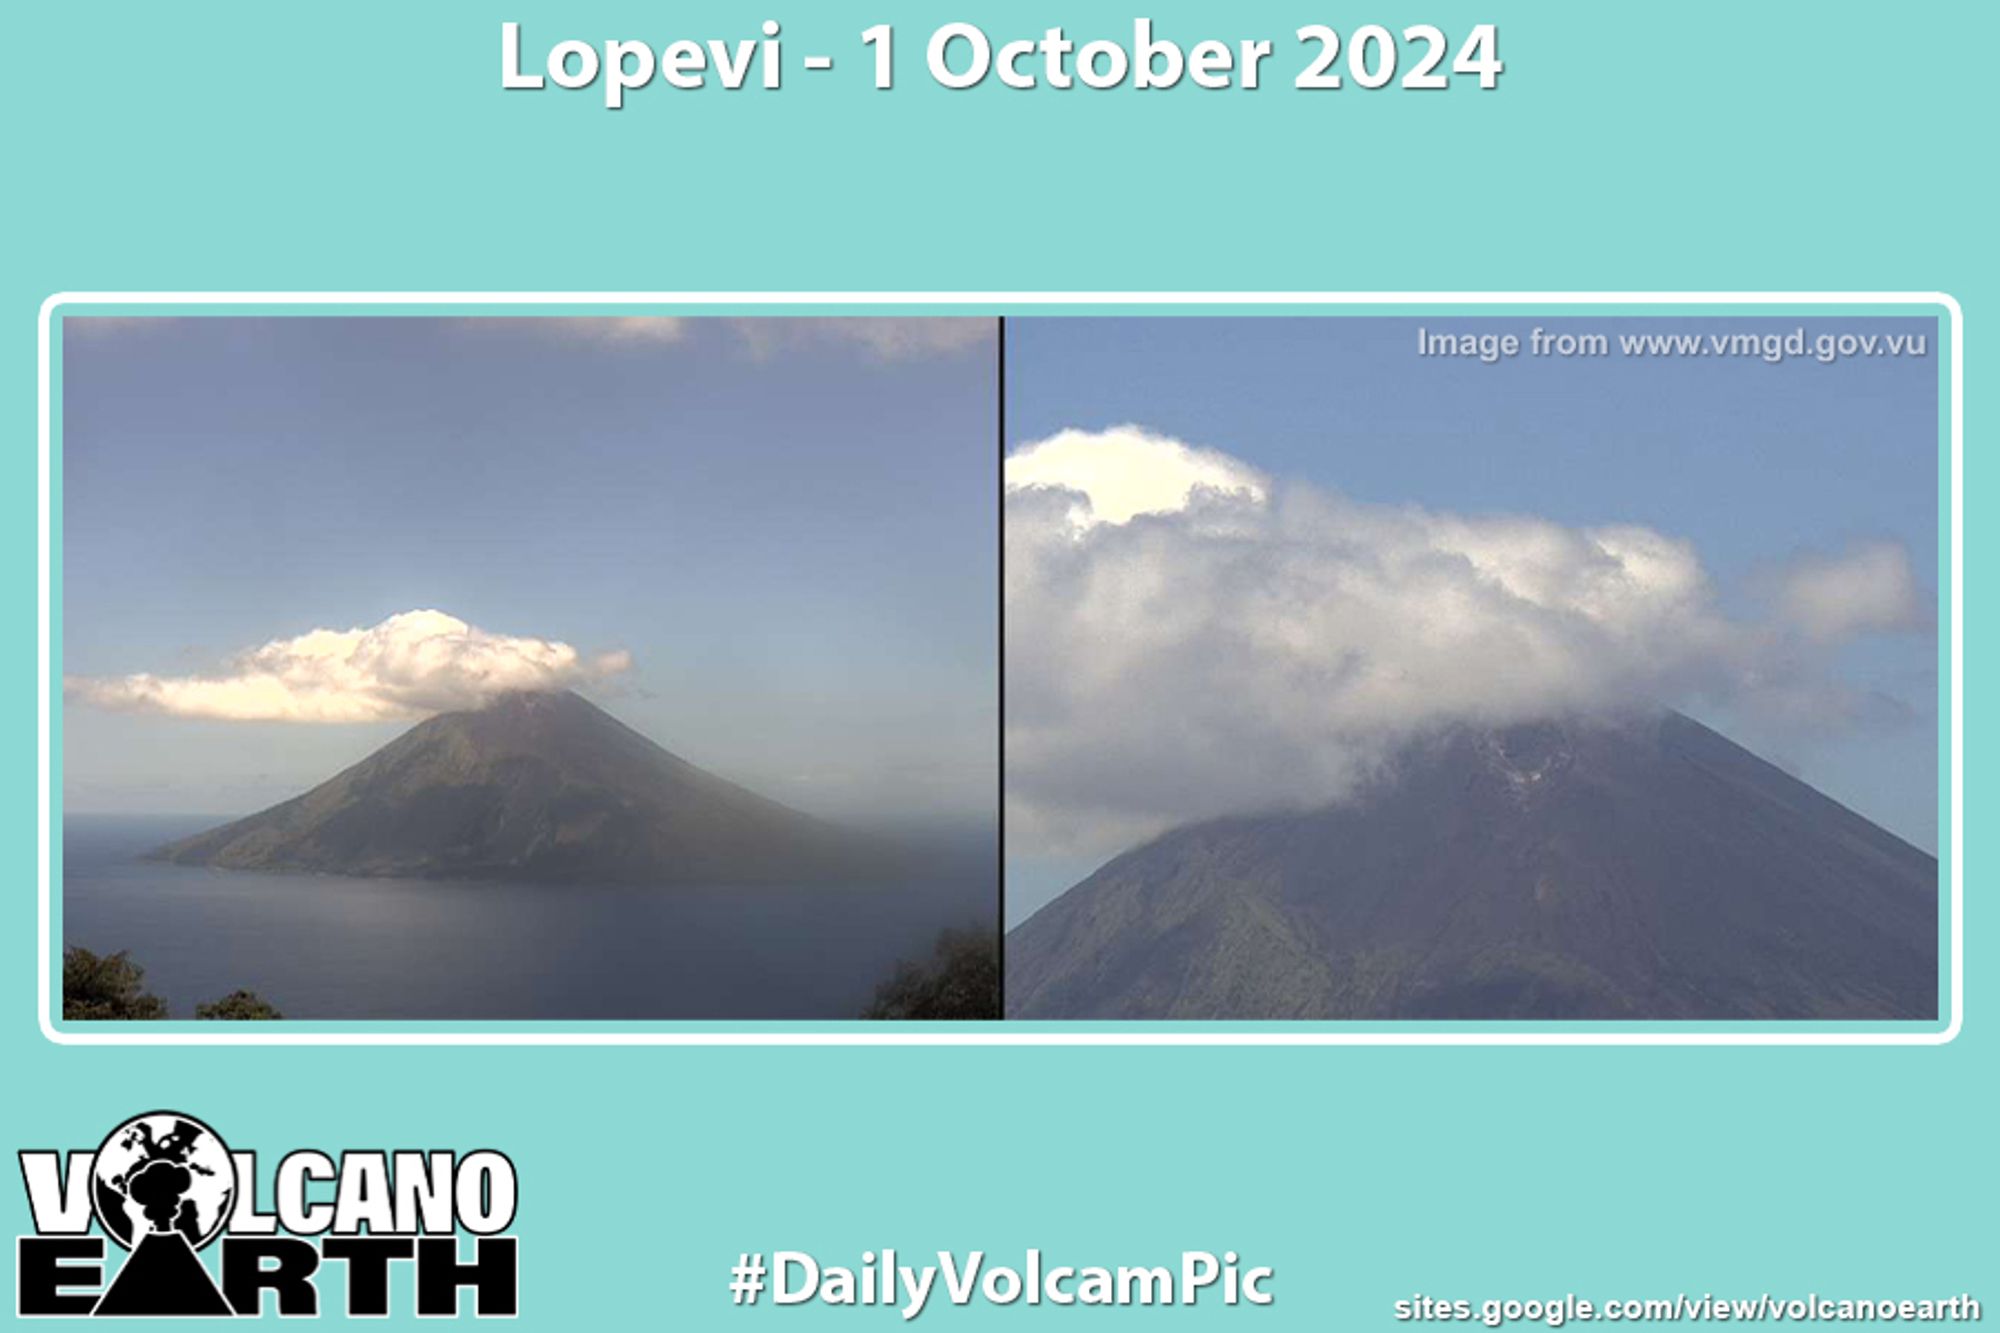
column 112, row 988
column 238, row 1006
column 960, row 980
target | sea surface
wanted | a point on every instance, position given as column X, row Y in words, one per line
column 332, row 947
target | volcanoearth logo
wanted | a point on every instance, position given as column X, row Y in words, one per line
column 410, row 1228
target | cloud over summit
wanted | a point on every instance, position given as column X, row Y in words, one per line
column 410, row 665
column 1118, row 474
column 1188, row 638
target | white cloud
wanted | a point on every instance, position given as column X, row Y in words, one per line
column 888, row 338
column 629, row 329
column 1126, row 471
column 878, row 338
column 1187, row 638
column 884, row 339
column 1868, row 588
column 412, row 664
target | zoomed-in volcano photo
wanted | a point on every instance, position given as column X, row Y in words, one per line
column 529, row 668
column 1347, row 678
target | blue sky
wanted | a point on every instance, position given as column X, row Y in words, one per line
column 1755, row 464
column 1750, row 460
column 789, row 525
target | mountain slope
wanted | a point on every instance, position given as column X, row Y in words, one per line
column 1644, row 869
column 534, row 786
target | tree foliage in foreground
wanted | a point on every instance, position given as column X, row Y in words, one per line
column 112, row 987
column 960, row 980
column 107, row 987
column 238, row 1006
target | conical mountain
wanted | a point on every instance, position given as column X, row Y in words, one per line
column 1644, row 869
column 163, row 1278
column 536, row 786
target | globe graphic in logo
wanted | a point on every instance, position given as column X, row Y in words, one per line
column 163, row 1173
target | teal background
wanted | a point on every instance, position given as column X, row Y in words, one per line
column 1698, row 147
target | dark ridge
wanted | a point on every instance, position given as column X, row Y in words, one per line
column 1642, row 869
column 537, row 786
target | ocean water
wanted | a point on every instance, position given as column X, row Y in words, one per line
column 332, row 947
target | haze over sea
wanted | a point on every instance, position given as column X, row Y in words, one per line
column 333, row 947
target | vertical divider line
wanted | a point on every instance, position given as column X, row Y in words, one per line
column 1000, row 651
